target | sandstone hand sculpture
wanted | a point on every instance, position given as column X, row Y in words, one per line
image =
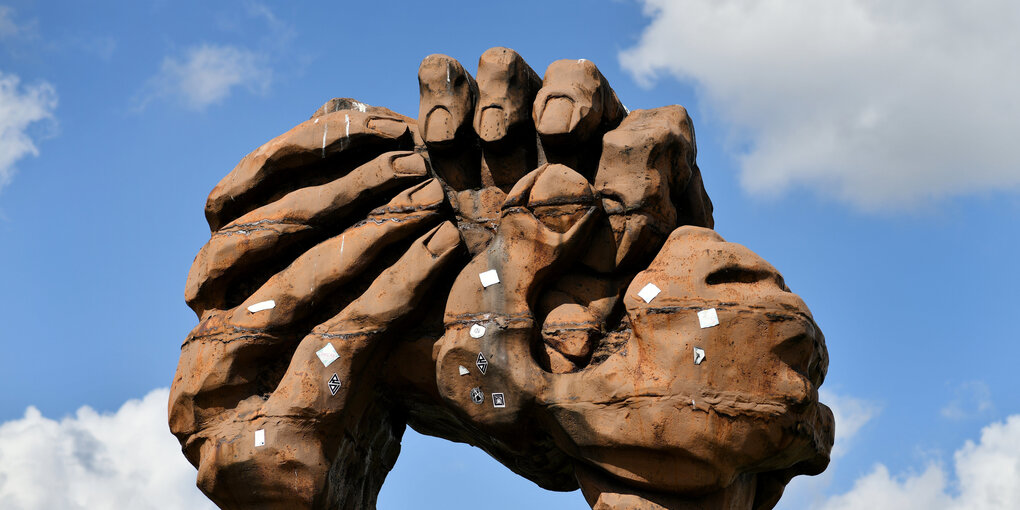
column 528, row 268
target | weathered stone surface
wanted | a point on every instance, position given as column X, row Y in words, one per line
column 528, row 268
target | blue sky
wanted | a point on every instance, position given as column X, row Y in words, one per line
column 867, row 151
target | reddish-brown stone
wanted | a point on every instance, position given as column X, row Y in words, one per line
column 528, row 268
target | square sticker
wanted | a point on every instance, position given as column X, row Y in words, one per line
column 648, row 292
column 489, row 277
column 327, row 355
column 708, row 318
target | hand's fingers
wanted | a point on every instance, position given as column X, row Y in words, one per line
column 573, row 108
column 292, row 159
column 219, row 367
column 327, row 203
column 643, row 175
column 328, row 403
column 506, row 86
column 356, row 333
column 544, row 218
column 322, row 270
column 446, row 107
column 447, row 101
column 227, row 359
column 399, row 289
column 270, row 231
column 485, row 365
column 554, row 195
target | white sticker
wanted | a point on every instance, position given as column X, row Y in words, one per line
column 264, row 305
column 260, row 437
column 463, row 370
column 708, row 318
column 488, row 278
column 477, row 331
column 699, row 355
column 477, row 396
column 498, row 400
column 648, row 292
column 327, row 355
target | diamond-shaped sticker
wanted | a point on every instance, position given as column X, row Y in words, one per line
column 327, row 355
column 482, row 363
column 498, row 400
column 648, row 292
column 708, row 318
column 477, row 396
column 489, row 277
column 334, row 384
column 699, row 355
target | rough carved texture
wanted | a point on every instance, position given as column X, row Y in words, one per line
column 368, row 234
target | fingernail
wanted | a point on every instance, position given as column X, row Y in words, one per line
column 428, row 192
column 422, row 195
column 556, row 116
column 444, row 238
column 492, row 126
column 410, row 165
column 390, row 128
column 559, row 184
column 439, row 126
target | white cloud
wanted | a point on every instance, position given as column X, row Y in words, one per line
column 881, row 104
column 7, row 26
column 971, row 400
column 10, row 29
column 987, row 475
column 20, row 107
column 851, row 414
column 207, row 74
column 127, row 459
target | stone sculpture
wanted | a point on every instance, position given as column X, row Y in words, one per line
column 528, row 268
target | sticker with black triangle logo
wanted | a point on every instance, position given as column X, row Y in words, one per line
column 498, row 400
column 482, row 363
column 334, row 384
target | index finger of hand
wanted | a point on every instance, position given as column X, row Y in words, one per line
column 289, row 159
column 269, row 231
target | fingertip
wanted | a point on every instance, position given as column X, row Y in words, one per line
column 447, row 99
column 411, row 165
column 507, row 86
column 575, row 101
column 558, row 185
column 442, row 239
